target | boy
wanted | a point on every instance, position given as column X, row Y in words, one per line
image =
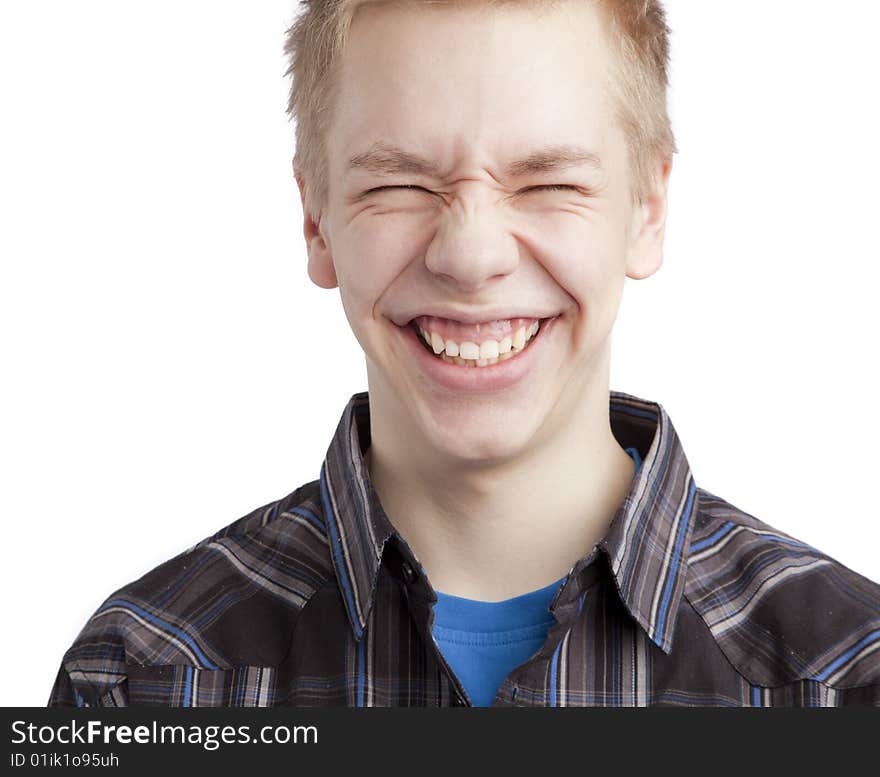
column 491, row 526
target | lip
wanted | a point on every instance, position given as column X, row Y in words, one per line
column 492, row 377
column 475, row 317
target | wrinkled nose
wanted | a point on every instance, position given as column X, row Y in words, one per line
column 473, row 243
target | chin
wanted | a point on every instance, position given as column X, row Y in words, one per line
column 492, row 440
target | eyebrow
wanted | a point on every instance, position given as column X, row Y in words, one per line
column 385, row 159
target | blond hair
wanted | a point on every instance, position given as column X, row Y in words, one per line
column 636, row 28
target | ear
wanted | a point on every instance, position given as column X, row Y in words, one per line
column 648, row 226
column 320, row 268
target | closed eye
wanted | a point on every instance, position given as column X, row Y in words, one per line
column 554, row 187
column 397, row 186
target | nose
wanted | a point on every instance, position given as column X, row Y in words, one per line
column 473, row 243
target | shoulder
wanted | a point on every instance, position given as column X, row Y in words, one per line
column 232, row 599
column 778, row 608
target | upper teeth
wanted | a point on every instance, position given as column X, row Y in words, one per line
column 488, row 349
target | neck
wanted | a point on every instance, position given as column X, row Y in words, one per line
column 514, row 525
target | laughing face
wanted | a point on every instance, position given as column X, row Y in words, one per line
column 479, row 223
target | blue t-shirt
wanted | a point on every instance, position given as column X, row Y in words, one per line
column 484, row 641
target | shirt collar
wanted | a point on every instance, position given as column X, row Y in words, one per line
column 646, row 544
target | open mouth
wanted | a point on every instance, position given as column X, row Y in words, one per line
column 483, row 354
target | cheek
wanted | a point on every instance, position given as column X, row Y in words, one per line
column 584, row 262
column 376, row 251
column 365, row 275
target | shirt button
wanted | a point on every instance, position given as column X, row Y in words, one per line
column 409, row 574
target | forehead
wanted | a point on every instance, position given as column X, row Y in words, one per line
column 471, row 84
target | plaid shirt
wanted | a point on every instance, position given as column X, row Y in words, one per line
column 315, row 600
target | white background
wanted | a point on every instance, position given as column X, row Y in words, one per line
column 157, row 319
